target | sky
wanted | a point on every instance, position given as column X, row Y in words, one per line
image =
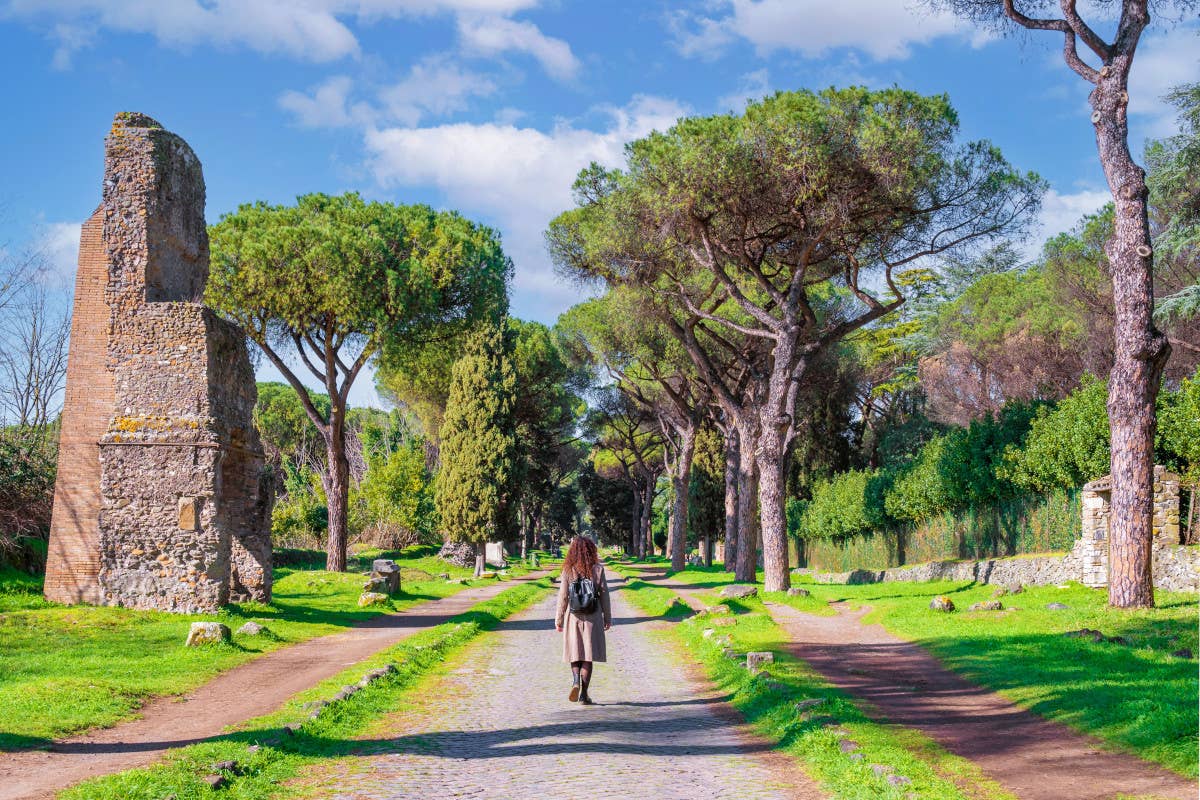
column 491, row 107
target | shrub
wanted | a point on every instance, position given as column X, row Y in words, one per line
column 919, row 491
column 396, row 497
column 1179, row 429
column 839, row 507
column 1067, row 445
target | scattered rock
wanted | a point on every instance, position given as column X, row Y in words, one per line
column 207, row 633
column 811, row 702
column 729, row 652
column 723, row 622
column 216, row 781
column 796, row 591
column 1000, row 592
column 225, row 766
column 1085, row 633
column 756, row 660
column 708, row 632
column 1016, row 588
column 739, row 591
column 460, row 554
column 848, row 745
column 695, row 560
column 941, row 603
column 252, row 629
column 379, row 585
column 252, row 749
column 444, row 576
column 987, row 605
column 372, row 599
column 291, row 729
column 1057, row 606
column 1182, row 653
column 856, row 756
column 881, row 769
column 719, row 609
column 488, row 574
column 898, row 780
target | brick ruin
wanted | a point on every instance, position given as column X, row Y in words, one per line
column 161, row 500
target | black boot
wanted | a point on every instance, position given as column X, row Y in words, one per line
column 574, row 695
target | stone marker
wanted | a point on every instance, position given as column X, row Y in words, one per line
column 372, row 599
column 207, row 633
column 987, row 605
column 941, row 603
column 1057, row 607
column 719, row 609
column 389, row 572
column 251, row 629
column 739, row 591
column 796, row 591
column 811, row 702
column 161, row 500
column 755, row 660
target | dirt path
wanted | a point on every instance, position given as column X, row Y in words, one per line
column 250, row 690
column 501, row 727
column 1032, row 757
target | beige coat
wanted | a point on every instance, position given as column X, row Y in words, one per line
column 583, row 635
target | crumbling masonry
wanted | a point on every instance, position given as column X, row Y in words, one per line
column 161, row 500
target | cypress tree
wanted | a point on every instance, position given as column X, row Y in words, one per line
column 478, row 452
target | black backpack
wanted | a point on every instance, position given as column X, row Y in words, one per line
column 581, row 596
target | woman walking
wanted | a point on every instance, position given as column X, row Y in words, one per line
column 584, row 613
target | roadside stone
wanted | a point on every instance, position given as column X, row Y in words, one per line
column 1182, row 653
column 708, row 633
column 216, row 781
column 378, row 585
column 755, row 660
column 941, row 603
column 898, row 780
column 987, row 605
column 225, row 766
column 718, row 609
column 856, row 756
column 796, row 591
column 811, row 702
column 881, row 769
column 388, row 571
column 251, row 629
column 372, row 599
column 1000, row 592
column 1057, row 606
column 252, row 749
column 739, row 591
column 444, row 576
column 848, row 745
column 488, row 575
column 207, row 633
column 723, row 622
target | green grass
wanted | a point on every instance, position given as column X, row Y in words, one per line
column 1138, row 697
column 262, row 774
column 812, row 737
column 64, row 669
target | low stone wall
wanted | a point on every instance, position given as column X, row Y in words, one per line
column 1176, row 569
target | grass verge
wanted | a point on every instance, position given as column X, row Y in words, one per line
column 65, row 669
column 1136, row 696
column 264, row 756
column 851, row 755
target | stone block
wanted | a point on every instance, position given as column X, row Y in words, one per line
column 739, row 591
column 207, row 633
column 755, row 661
column 372, row 599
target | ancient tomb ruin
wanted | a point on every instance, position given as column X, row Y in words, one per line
column 161, row 500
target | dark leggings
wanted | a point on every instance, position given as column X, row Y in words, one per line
column 583, row 671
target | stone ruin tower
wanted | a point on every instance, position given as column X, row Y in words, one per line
column 161, row 500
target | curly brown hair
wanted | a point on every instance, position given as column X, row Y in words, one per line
column 582, row 559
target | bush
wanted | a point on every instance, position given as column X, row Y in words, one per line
column 1179, row 429
column 1067, row 445
column 28, row 461
column 839, row 507
column 919, row 491
column 395, row 498
column 300, row 516
column 972, row 457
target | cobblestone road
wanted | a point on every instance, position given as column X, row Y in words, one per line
column 501, row 727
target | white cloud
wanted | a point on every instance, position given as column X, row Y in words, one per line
column 753, row 86
column 494, row 35
column 520, row 177
column 884, row 29
column 434, row 87
column 1163, row 62
column 1062, row 212
column 311, row 30
column 57, row 245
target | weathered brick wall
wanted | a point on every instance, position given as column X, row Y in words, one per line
column 182, row 507
column 73, row 561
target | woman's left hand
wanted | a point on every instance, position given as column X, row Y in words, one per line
column 607, row 625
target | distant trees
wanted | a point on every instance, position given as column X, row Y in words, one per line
column 328, row 282
column 1141, row 350
column 476, row 483
column 755, row 235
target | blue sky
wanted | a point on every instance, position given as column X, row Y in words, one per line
column 492, row 106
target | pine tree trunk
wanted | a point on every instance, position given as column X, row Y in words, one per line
column 1141, row 351
column 337, row 496
column 771, row 484
column 679, row 508
column 635, row 524
column 747, row 547
column 731, row 499
column 648, row 517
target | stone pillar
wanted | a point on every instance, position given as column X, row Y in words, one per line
column 1166, row 508
column 181, row 507
column 1091, row 551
